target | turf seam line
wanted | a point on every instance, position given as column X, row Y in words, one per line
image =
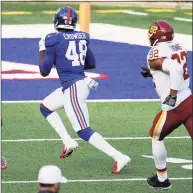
column 182, row 19
column 96, row 180
column 78, row 139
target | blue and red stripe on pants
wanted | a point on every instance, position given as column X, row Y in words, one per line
column 76, row 107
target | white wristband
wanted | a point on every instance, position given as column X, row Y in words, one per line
column 42, row 44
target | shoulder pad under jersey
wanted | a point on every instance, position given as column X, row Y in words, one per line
column 52, row 39
column 158, row 51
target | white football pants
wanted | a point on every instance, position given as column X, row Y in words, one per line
column 73, row 100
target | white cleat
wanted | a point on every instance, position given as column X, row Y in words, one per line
column 120, row 163
column 68, row 149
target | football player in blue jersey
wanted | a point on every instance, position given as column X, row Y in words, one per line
column 71, row 54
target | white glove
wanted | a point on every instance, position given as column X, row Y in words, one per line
column 91, row 83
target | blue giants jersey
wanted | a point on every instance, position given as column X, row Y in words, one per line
column 69, row 51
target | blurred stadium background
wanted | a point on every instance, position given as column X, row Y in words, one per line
column 122, row 109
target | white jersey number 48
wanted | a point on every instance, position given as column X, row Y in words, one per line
column 71, row 53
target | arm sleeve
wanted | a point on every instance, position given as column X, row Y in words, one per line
column 48, row 61
column 175, row 70
column 42, row 44
column 90, row 59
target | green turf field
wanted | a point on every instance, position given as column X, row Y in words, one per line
column 112, row 120
column 37, row 16
column 127, row 122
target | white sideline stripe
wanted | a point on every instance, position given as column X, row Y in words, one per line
column 78, row 139
column 92, row 101
column 94, row 180
column 121, row 34
column 182, row 19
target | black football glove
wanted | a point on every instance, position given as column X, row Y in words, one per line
column 170, row 100
column 145, row 72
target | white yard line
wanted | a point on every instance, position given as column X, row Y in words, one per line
column 95, row 180
column 78, row 139
column 182, row 19
column 92, row 100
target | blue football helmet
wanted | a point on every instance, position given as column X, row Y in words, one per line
column 65, row 18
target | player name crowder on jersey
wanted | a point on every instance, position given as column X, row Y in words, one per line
column 74, row 36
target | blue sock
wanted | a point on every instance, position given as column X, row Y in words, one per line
column 85, row 133
column 45, row 112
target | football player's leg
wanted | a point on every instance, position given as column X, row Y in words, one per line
column 158, row 147
column 188, row 125
column 186, row 109
column 78, row 114
column 48, row 108
column 3, row 163
column 164, row 123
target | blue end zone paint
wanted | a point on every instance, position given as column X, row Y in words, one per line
column 120, row 61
